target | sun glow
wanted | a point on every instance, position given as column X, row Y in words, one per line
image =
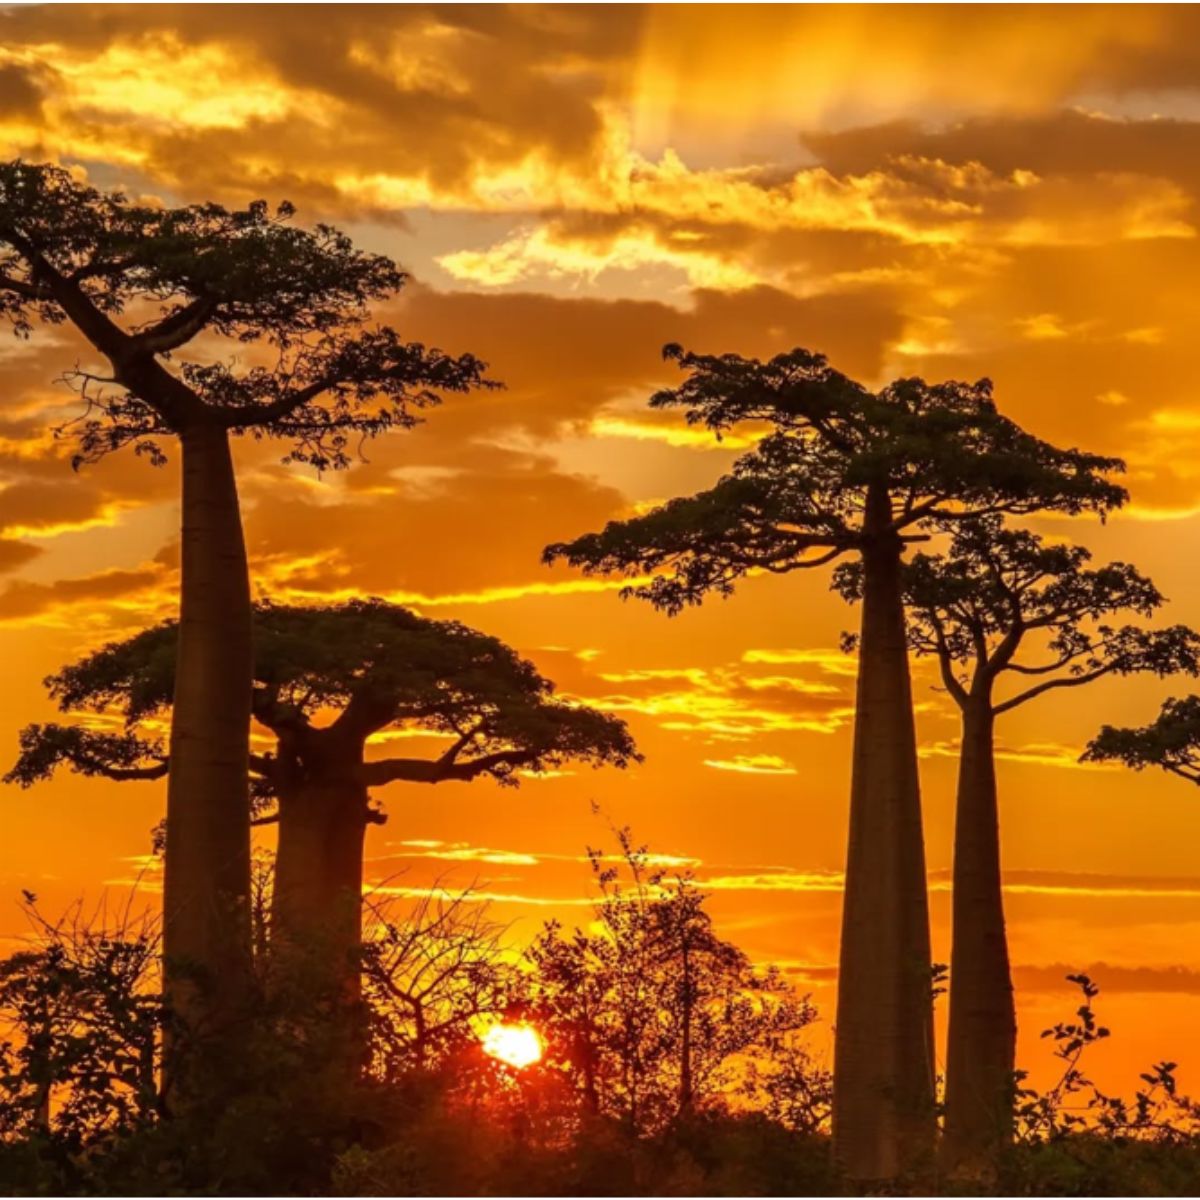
column 517, row 1045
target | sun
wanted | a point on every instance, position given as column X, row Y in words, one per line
column 516, row 1045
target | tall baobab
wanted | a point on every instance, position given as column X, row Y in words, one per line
column 844, row 471
column 173, row 302
column 1008, row 618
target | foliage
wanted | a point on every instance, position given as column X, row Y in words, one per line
column 288, row 306
column 997, row 592
column 653, row 1015
column 1171, row 741
column 934, row 452
column 82, row 1026
column 430, row 975
column 82, row 1010
column 380, row 664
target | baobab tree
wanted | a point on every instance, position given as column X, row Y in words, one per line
column 170, row 301
column 327, row 680
column 1008, row 618
column 843, row 471
column 1170, row 742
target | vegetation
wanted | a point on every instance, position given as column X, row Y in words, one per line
column 160, row 293
column 327, row 679
column 1004, row 605
column 278, row 1034
column 845, row 472
column 670, row 1066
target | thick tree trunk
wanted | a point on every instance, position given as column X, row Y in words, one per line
column 317, row 904
column 983, row 1024
column 316, row 913
column 883, row 1106
column 206, row 919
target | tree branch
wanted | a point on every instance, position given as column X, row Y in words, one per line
column 1066, row 681
column 28, row 291
column 177, row 329
column 420, row 770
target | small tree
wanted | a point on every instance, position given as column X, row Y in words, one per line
column 376, row 667
column 430, row 974
column 843, row 472
column 1170, row 742
column 143, row 284
column 1002, row 605
column 653, row 1015
column 82, row 1020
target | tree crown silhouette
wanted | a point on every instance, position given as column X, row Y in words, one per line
column 997, row 592
column 1171, row 741
column 293, row 301
column 798, row 499
column 352, row 670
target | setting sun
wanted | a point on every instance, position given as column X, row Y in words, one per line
column 516, row 1045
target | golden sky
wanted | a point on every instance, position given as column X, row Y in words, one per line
column 951, row 192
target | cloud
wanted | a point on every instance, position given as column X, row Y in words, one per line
column 116, row 595
column 490, row 514
column 1112, row 978
column 1080, row 884
column 463, row 852
column 1043, row 754
column 724, row 703
column 14, row 555
column 753, row 764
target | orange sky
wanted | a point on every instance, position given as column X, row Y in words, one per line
column 949, row 192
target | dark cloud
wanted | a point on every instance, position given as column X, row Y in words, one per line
column 1111, row 977
column 23, row 599
column 1068, row 142
column 14, row 555
column 469, row 528
column 20, row 94
column 563, row 360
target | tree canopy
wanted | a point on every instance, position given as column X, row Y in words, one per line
column 142, row 281
column 363, row 666
column 997, row 593
column 1171, row 741
column 939, row 452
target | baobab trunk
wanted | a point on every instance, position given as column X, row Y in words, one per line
column 317, row 905
column 983, row 1025
column 206, row 918
column 883, row 1103
column 316, row 913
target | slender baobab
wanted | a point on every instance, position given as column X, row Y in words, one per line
column 1008, row 618
column 843, row 471
column 206, row 322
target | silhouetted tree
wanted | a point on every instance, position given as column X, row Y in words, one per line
column 649, row 1010
column 82, row 1021
column 376, row 667
column 1171, row 741
column 1000, row 605
column 290, row 303
column 430, row 973
column 844, row 471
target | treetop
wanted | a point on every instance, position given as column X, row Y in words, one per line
column 366, row 665
column 932, row 455
column 319, row 374
column 1171, row 741
column 998, row 593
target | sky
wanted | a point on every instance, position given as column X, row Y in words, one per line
column 1008, row 192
